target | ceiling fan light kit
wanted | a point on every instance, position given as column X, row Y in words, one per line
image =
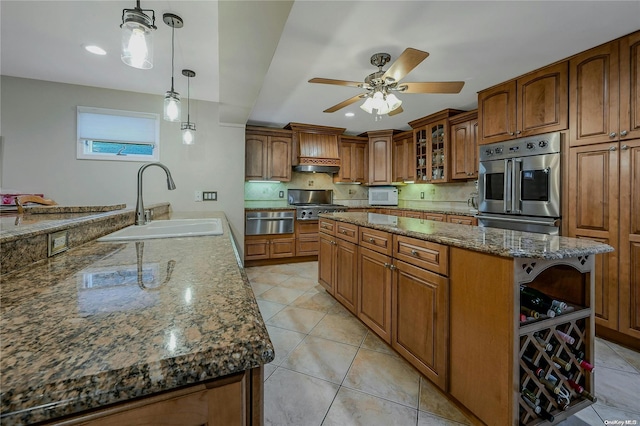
column 137, row 37
column 172, row 98
column 379, row 100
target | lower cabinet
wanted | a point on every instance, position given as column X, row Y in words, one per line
column 306, row 238
column 374, row 292
column 337, row 268
column 326, row 262
column 462, row 220
column 420, row 319
column 261, row 247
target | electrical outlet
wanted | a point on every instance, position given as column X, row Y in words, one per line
column 198, row 196
column 281, row 194
column 422, row 195
column 210, row 196
column 310, row 183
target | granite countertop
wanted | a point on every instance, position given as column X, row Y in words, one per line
column 500, row 242
column 255, row 206
column 106, row 322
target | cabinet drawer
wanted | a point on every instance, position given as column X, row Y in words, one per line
column 307, row 245
column 413, row 214
column 307, row 226
column 462, row 220
column 438, row 217
column 347, row 231
column 423, row 254
column 373, row 239
column 327, row 226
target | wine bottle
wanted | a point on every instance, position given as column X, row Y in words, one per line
column 549, row 385
column 536, row 408
column 539, row 372
column 529, row 312
column 527, row 394
column 533, row 301
column 556, row 305
column 546, row 415
column 547, row 346
column 581, row 391
column 561, row 362
column 565, row 337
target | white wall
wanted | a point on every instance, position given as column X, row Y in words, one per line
column 39, row 152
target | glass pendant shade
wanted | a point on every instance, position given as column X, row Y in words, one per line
column 172, row 106
column 378, row 102
column 393, row 101
column 137, row 39
column 188, row 133
column 367, row 105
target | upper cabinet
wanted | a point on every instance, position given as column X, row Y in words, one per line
column 404, row 157
column 464, row 146
column 431, row 135
column 380, row 164
column 354, row 158
column 267, row 154
column 533, row 104
column 605, row 92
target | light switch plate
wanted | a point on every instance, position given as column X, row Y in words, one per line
column 209, row 195
column 57, row 242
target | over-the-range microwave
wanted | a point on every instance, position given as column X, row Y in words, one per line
column 383, row 196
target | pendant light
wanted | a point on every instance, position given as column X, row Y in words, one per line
column 172, row 98
column 188, row 128
column 137, row 37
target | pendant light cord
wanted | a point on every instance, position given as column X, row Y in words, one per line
column 173, row 31
column 188, row 98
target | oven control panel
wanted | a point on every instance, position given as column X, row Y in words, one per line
column 532, row 145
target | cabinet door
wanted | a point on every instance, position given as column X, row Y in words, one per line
column 325, row 262
column 438, row 142
column 543, row 101
column 282, row 247
column 380, row 171
column 497, row 113
column 460, row 137
column 630, row 87
column 279, row 159
column 472, row 151
column 594, row 96
column 346, row 274
column 256, row 248
column 360, row 162
column 399, row 161
column 255, row 166
column 346, row 163
column 410, row 158
column 374, row 292
column 630, row 238
column 420, row 320
column 593, row 213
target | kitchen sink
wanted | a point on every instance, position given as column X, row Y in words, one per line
column 167, row 229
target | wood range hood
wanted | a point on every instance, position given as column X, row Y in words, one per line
column 315, row 148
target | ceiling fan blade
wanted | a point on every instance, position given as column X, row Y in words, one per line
column 395, row 111
column 346, row 103
column 408, row 60
column 431, row 87
column 336, row 82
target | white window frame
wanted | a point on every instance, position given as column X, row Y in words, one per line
column 119, row 127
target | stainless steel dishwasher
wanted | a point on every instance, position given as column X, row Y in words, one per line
column 266, row 222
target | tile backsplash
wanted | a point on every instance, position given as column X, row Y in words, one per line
column 445, row 196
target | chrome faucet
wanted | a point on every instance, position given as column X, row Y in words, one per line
column 144, row 216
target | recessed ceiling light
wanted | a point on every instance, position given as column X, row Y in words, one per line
column 349, row 114
column 96, row 50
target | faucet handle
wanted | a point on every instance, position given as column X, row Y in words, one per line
column 148, row 216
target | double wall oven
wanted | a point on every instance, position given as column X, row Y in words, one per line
column 519, row 184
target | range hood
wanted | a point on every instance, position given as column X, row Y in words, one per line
column 315, row 148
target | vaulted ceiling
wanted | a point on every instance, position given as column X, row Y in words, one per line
column 255, row 57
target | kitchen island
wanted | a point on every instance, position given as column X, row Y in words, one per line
column 446, row 297
column 165, row 329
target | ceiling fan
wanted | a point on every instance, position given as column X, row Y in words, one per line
column 380, row 85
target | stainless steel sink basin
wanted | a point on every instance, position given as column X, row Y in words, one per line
column 167, row 229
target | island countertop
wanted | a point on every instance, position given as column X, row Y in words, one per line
column 500, row 242
column 106, row 322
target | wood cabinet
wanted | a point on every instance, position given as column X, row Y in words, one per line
column 354, row 158
column 261, row 247
column 438, row 217
column 267, row 154
column 374, row 292
column 432, row 147
column 232, row 400
column 337, row 262
column 380, row 154
column 532, row 104
column 306, row 237
column 462, row 220
column 604, row 93
column 464, row 146
column 404, row 157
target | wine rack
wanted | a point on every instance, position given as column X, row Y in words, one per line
column 541, row 343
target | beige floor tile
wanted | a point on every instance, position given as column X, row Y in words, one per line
column 284, row 341
column 316, row 301
column 426, row 419
column 610, row 415
column 320, row 358
column 269, row 309
column 338, row 309
column 258, row 288
column 356, row 408
column 299, row 283
column 340, row 329
column 433, row 401
column 375, row 343
column 268, row 370
column 607, row 357
column 307, row 270
column 281, row 295
column 585, row 417
column 296, row 319
column 269, row 278
column 618, row 389
column 284, row 269
column 384, row 376
column 629, row 355
column 295, row 399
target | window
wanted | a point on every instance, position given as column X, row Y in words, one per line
column 109, row 134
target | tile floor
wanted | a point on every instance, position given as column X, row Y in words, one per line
column 330, row 370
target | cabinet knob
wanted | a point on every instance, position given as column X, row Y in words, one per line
column 392, row 267
column 414, row 253
column 623, row 133
column 518, row 132
column 624, row 147
column 612, row 135
column 612, row 148
column 511, row 133
column 372, row 241
column 343, row 232
column 334, row 243
column 386, row 265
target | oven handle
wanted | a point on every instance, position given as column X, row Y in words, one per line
column 516, row 204
column 507, row 186
column 270, row 218
column 547, row 222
